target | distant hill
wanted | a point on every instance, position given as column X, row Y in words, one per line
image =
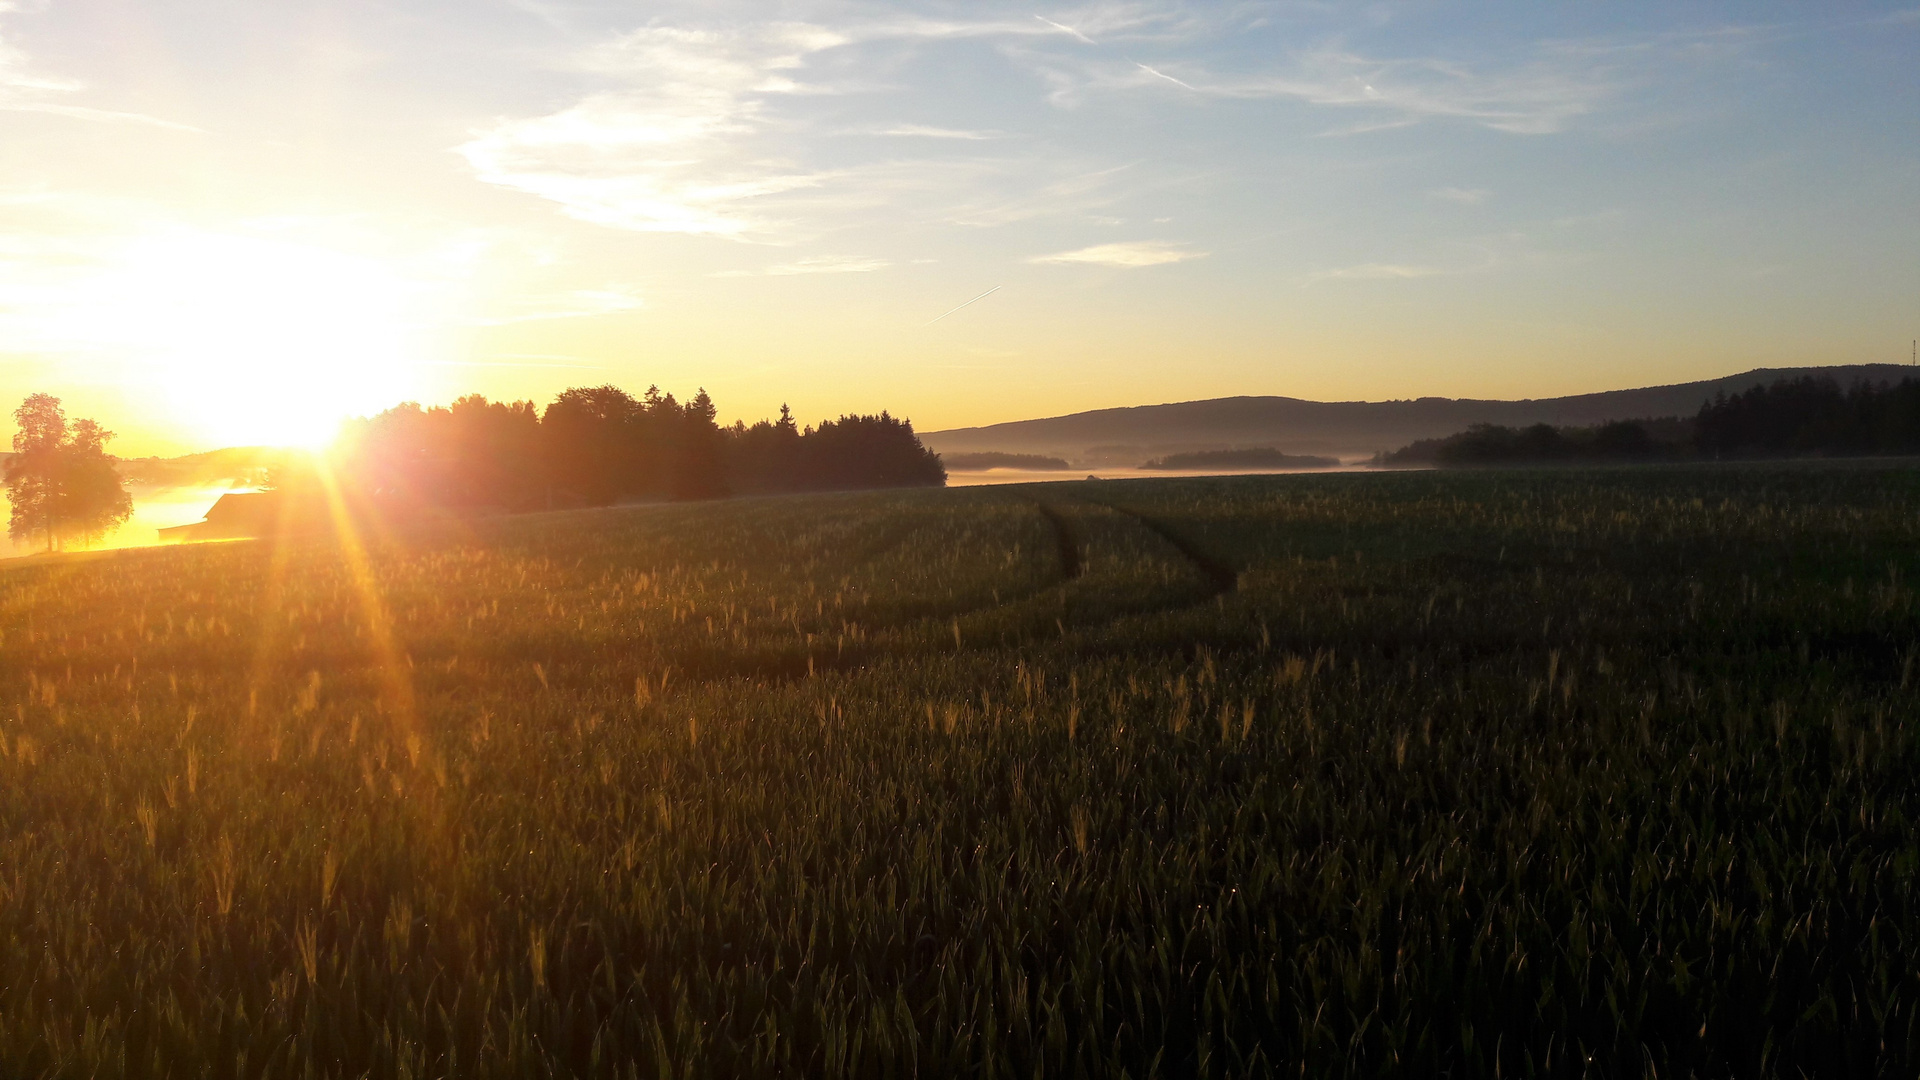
column 235, row 463
column 1130, row 436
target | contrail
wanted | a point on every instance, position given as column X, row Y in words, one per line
column 976, row 299
column 1066, row 29
column 1164, row 75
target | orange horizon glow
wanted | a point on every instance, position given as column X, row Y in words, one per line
column 231, row 232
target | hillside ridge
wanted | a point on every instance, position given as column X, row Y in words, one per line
column 1128, row 435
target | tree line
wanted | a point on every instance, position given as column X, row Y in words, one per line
column 593, row 446
column 1495, row 444
column 1812, row 415
column 1809, row 416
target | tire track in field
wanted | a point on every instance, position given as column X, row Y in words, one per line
column 719, row 663
column 1068, row 540
column 1222, row 578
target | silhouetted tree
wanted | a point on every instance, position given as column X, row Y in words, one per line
column 60, row 481
column 495, row 452
column 1622, row 439
column 1770, row 420
column 473, row 453
column 699, row 471
column 867, row 452
column 1492, row 444
column 596, row 442
column 1812, row 415
column 597, row 445
column 658, row 433
column 766, row 456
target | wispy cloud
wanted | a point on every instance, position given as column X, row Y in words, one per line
column 1130, row 255
column 1079, row 193
column 705, row 131
column 22, row 91
column 820, row 264
column 923, row 131
column 713, row 130
column 665, row 152
column 1375, row 272
column 1536, row 97
column 828, row 264
column 105, row 116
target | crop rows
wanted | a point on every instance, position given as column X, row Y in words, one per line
column 1576, row 773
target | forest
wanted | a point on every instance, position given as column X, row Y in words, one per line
column 594, row 446
column 1810, row 416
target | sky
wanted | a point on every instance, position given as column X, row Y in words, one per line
column 224, row 222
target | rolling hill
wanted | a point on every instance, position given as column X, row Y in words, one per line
column 1129, row 436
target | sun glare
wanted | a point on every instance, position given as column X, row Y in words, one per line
column 257, row 341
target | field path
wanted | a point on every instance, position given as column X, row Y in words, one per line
column 1068, row 539
column 1223, row 578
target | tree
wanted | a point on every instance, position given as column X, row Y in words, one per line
column 766, row 456
column 61, row 482
column 867, row 452
column 699, row 472
column 592, row 441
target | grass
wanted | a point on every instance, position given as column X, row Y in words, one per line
column 1560, row 773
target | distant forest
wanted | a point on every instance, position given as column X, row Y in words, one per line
column 1810, row 416
column 594, row 446
column 1492, row 444
column 993, row 459
column 1259, row 457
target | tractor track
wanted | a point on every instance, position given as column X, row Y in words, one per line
column 1221, row 577
column 1067, row 539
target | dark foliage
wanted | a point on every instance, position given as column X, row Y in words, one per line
column 996, row 459
column 1260, row 457
column 1812, row 415
column 474, row 453
column 1809, row 416
column 599, row 445
column 866, row 452
column 1491, row 444
column 60, row 480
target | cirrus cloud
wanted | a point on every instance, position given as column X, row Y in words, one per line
column 1376, row 272
column 21, row 91
column 1126, row 255
column 819, row 264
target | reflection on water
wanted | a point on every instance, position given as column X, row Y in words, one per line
column 154, row 508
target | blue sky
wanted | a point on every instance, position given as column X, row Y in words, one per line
column 223, row 221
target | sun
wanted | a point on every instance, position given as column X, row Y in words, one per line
column 259, row 341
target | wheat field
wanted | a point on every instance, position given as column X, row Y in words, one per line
column 1530, row 773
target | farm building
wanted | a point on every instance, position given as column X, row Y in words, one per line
column 235, row 514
